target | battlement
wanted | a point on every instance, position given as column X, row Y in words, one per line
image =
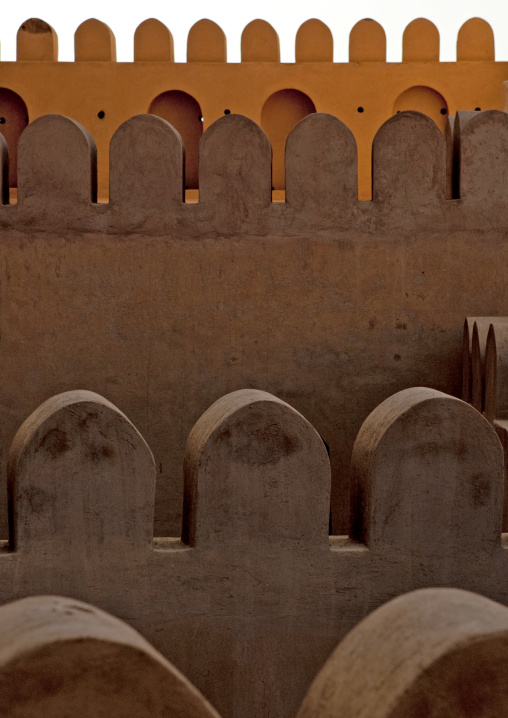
column 254, row 575
column 94, row 41
column 416, row 172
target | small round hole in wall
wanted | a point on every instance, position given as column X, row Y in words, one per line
column 2, row 120
column 360, row 109
column 227, row 112
column 101, row 115
column 477, row 109
column 443, row 111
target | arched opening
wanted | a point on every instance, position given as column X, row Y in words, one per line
column 281, row 112
column 426, row 100
column 13, row 120
column 184, row 113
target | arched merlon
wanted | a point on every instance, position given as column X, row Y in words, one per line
column 321, row 165
column 153, row 42
column 206, row 43
column 420, row 42
column 409, row 161
column 260, row 43
column 314, row 42
column 481, row 149
column 475, row 41
column 367, row 42
column 234, row 172
column 36, row 41
column 94, row 42
column 57, row 167
column 255, row 467
column 63, row 653
column 138, row 196
column 78, row 450
column 427, row 482
column 429, row 652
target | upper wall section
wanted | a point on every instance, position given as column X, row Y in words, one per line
column 153, row 42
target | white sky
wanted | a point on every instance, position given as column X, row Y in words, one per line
column 286, row 17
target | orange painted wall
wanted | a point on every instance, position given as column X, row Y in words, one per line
column 101, row 93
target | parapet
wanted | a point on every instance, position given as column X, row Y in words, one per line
column 95, row 41
column 254, row 574
column 57, row 174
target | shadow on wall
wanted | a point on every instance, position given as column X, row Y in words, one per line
column 183, row 112
column 426, row 100
column 281, row 112
column 13, row 120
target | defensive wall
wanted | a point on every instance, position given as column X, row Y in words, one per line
column 101, row 93
column 328, row 302
column 250, row 597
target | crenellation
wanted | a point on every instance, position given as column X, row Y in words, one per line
column 372, row 90
column 57, row 161
column 473, row 359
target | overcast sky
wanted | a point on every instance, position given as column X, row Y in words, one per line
column 286, row 17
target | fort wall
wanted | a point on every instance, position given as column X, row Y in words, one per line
column 328, row 302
